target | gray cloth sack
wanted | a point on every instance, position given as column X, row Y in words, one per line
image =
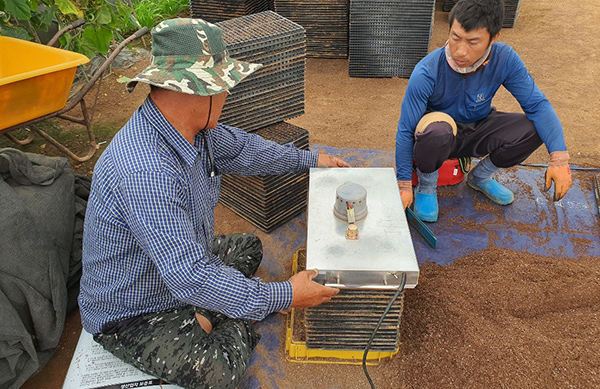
column 42, row 206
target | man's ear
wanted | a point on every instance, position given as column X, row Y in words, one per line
column 494, row 39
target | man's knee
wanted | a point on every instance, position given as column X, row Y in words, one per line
column 233, row 244
column 435, row 136
column 254, row 244
column 241, row 251
column 441, row 121
column 247, row 244
column 219, row 360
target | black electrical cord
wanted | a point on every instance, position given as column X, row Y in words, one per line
column 387, row 309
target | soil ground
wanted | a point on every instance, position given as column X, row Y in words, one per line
column 544, row 334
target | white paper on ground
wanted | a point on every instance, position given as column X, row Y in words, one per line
column 92, row 367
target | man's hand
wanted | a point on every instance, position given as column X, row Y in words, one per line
column 562, row 181
column 308, row 293
column 204, row 323
column 326, row 160
column 559, row 172
column 407, row 198
column 406, row 192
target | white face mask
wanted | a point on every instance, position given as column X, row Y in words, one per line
column 469, row 69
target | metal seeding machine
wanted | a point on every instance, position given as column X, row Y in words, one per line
column 358, row 238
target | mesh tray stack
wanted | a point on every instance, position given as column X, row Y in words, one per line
column 275, row 92
column 448, row 4
column 326, row 24
column 218, row 10
column 511, row 11
column 269, row 201
column 388, row 37
column 348, row 320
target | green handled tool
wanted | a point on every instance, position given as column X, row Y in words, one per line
column 421, row 228
column 597, row 192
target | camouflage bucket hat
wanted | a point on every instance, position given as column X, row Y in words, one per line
column 189, row 56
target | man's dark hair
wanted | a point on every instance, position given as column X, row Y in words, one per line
column 472, row 14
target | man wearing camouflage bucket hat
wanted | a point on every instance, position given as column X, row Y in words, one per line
column 189, row 56
column 158, row 290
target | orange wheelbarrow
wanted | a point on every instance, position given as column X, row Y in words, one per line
column 35, row 82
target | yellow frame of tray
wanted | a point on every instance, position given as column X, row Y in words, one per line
column 298, row 352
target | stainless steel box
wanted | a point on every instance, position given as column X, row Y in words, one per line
column 384, row 249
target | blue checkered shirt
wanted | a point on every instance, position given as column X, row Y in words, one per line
column 149, row 225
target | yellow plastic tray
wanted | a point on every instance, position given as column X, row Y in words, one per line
column 296, row 351
column 35, row 79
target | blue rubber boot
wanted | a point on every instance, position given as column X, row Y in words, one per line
column 426, row 206
column 495, row 191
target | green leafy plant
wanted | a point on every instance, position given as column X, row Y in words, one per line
column 106, row 20
column 149, row 12
column 24, row 19
column 99, row 30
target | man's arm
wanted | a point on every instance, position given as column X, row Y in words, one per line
column 547, row 124
column 414, row 105
column 534, row 103
column 157, row 212
column 239, row 152
column 326, row 160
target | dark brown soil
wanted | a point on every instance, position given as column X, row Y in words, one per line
column 496, row 318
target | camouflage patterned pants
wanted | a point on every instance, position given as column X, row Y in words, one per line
column 171, row 344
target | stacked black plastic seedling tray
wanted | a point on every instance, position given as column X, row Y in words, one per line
column 326, row 24
column 348, row 320
column 448, row 4
column 388, row 38
column 218, row 10
column 511, row 12
column 269, row 201
column 275, row 92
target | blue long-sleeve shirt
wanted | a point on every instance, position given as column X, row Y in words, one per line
column 434, row 86
column 149, row 225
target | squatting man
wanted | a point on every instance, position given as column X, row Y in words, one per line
column 447, row 113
